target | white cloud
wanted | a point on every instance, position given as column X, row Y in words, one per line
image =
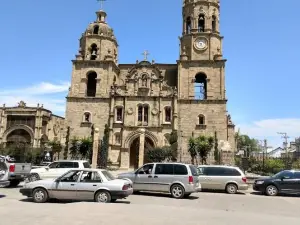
column 52, row 96
column 268, row 129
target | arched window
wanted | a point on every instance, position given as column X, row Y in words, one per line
column 143, row 114
column 94, row 52
column 200, row 86
column 91, row 84
column 214, row 23
column 96, row 29
column 118, row 138
column 201, row 119
column 87, row 117
column 168, row 114
column 188, row 25
column 201, row 23
column 119, row 114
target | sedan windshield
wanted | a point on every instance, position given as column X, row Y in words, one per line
column 108, row 175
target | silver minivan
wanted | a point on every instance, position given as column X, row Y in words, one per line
column 227, row 178
column 179, row 179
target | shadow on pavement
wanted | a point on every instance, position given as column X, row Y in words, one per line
column 2, row 196
column 68, row 202
column 163, row 195
column 280, row 195
column 221, row 192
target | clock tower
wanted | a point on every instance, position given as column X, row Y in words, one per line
column 201, row 60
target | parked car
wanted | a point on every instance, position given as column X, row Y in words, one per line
column 79, row 184
column 3, row 173
column 227, row 178
column 179, row 179
column 284, row 182
column 57, row 168
column 16, row 172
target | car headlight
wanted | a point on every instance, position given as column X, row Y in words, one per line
column 260, row 182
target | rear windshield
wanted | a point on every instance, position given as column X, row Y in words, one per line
column 86, row 165
column 194, row 170
column 108, row 175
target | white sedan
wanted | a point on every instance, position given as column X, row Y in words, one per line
column 79, row 184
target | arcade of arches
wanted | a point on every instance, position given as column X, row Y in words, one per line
column 18, row 136
column 138, row 149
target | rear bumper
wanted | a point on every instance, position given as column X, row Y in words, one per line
column 243, row 187
column 121, row 194
column 259, row 188
column 26, row 192
column 4, row 182
column 192, row 188
column 19, row 177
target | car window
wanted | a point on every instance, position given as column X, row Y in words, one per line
column 146, row 169
column 71, row 176
column 66, row 165
column 86, row 165
column 214, row 171
column 231, row 172
column 165, row 169
column 53, row 165
column 75, row 165
column 297, row 175
column 180, row 170
column 284, row 174
column 107, row 175
column 200, row 170
column 194, row 170
column 90, row 177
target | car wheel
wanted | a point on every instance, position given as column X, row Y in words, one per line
column 231, row 188
column 271, row 190
column 177, row 191
column 40, row 195
column 103, row 197
column 34, row 177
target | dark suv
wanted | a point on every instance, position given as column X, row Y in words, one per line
column 287, row 182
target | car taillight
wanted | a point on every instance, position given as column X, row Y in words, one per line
column 125, row 187
column 12, row 168
column 244, row 179
column 191, row 179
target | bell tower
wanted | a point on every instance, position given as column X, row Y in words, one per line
column 201, row 63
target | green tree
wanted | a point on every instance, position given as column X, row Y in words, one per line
column 56, row 147
column 244, row 142
column 158, row 154
column 192, row 148
column 204, row 145
column 173, row 141
column 86, row 148
column 217, row 155
column 74, row 149
column 103, row 156
column 296, row 164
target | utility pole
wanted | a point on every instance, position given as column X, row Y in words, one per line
column 285, row 137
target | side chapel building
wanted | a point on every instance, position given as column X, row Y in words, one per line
column 143, row 102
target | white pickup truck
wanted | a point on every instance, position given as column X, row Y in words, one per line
column 15, row 172
column 56, row 169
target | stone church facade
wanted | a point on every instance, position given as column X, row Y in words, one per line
column 143, row 102
column 33, row 126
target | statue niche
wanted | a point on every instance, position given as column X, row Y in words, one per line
column 144, row 82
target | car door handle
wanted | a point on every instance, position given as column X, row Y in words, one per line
column 94, row 185
column 72, row 184
column 155, row 176
column 149, row 176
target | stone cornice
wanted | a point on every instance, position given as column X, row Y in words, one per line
column 203, row 62
column 90, row 63
column 202, row 2
column 195, row 101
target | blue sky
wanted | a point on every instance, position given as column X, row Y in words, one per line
column 40, row 38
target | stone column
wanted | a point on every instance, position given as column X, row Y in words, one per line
column 175, row 111
column 95, row 148
column 141, row 148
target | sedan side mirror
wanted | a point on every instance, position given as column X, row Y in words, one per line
column 57, row 180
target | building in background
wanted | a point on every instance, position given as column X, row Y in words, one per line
column 143, row 102
column 33, row 126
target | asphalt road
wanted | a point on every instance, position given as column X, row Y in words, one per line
column 201, row 208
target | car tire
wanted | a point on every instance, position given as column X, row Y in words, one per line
column 34, row 177
column 231, row 188
column 271, row 190
column 103, row 197
column 177, row 191
column 40, row 195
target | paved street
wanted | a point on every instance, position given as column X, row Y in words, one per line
column 201, row 208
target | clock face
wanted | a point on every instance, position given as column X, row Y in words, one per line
column 201, row 44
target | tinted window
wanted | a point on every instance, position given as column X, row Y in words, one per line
column 284, row 174
column 214, row 171
column 53, row 165
column 297, row 175
column 231, row 172
column 86, row 165
column 180, row 170
column 166, row 169
column 194, row 170
column 75, row 165
column 65, row 165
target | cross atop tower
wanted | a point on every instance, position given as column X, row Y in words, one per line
column 101, row 3
column 146, row 53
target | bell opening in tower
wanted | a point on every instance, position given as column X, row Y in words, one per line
column 201, row 23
